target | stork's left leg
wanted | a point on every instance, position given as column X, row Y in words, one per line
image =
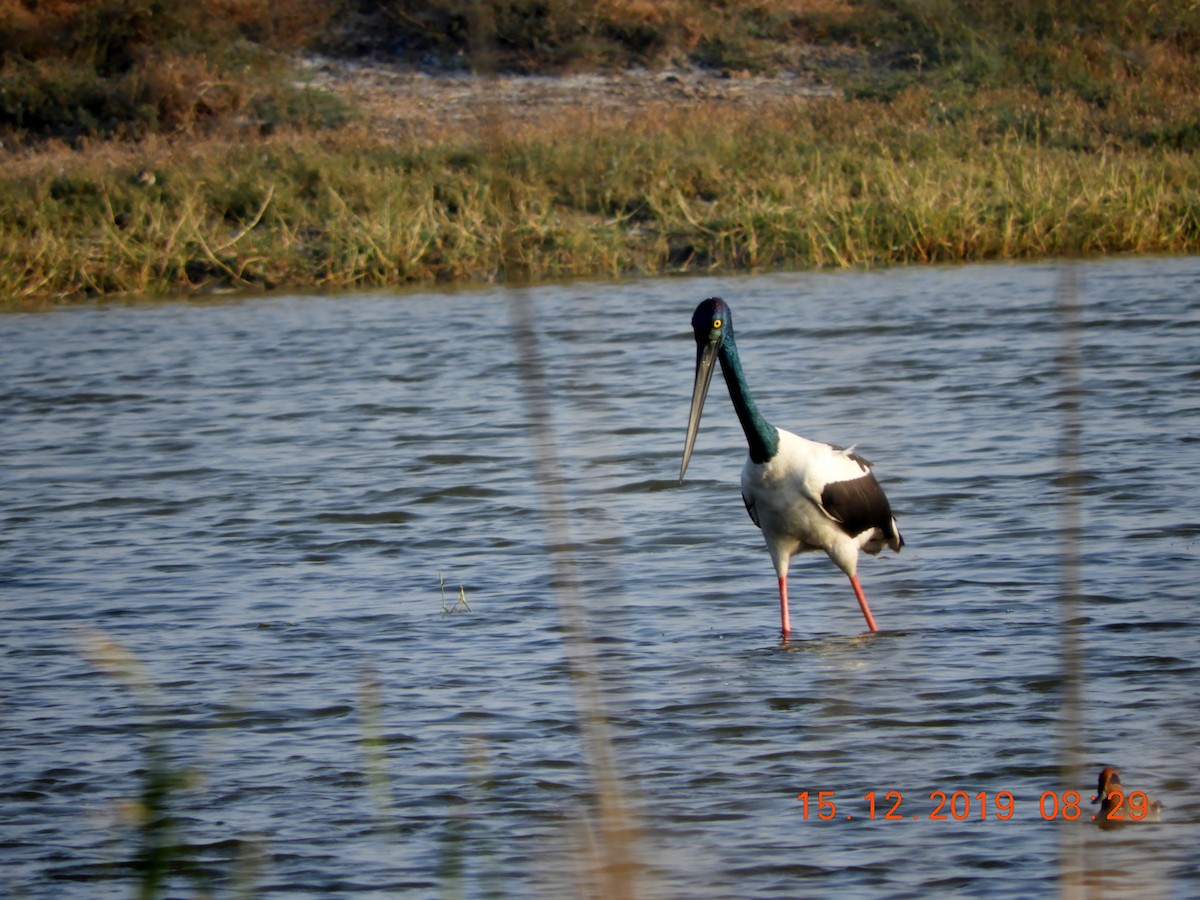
column 783, row 606
column 862, row 602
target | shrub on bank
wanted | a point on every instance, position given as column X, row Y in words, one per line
column 127, row 68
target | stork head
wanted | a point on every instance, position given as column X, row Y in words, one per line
column 712, row 325
column 711, row 322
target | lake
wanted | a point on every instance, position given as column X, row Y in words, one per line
column 237, row 659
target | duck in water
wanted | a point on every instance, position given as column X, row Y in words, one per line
column 1119, row 807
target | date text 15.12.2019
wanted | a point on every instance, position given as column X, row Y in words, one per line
column 961, row 806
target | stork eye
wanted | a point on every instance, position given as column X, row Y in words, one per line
column 717, row 323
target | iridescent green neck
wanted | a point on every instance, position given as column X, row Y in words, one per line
column 761, row 435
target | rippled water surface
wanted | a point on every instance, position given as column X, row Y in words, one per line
column 224, row 526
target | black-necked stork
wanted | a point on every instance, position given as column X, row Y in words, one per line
column 804, row 495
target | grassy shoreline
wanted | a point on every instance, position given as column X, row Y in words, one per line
column 818, row 182
column 190, row 159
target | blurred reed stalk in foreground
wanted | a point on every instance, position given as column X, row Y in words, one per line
column 1072, row 850
column 612, row 833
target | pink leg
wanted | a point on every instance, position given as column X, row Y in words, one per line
column 783, row 606
column 862, row 602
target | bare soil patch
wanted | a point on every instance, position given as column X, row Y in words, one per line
column 397, row 99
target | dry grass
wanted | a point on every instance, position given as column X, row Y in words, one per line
column 815, row 183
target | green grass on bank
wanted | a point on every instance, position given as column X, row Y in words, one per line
column 819, row 183
column 154, row 148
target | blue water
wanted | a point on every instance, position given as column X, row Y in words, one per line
column 224, row 524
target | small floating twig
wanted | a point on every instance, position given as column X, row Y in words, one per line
column 460, row 602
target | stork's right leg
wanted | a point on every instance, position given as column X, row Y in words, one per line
column 862, row 602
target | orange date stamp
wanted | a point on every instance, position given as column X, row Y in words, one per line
column 961, row 806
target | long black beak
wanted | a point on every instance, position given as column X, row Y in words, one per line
column 706, row 363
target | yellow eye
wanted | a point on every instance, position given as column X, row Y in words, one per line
column 717, row 323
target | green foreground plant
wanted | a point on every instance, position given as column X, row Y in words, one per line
column 161, row 854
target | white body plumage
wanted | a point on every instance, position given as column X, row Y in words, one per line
column 808, row 495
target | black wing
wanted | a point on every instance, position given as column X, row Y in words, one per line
column 859, row 504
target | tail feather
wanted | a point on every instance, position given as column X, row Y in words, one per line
column 880, row 539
